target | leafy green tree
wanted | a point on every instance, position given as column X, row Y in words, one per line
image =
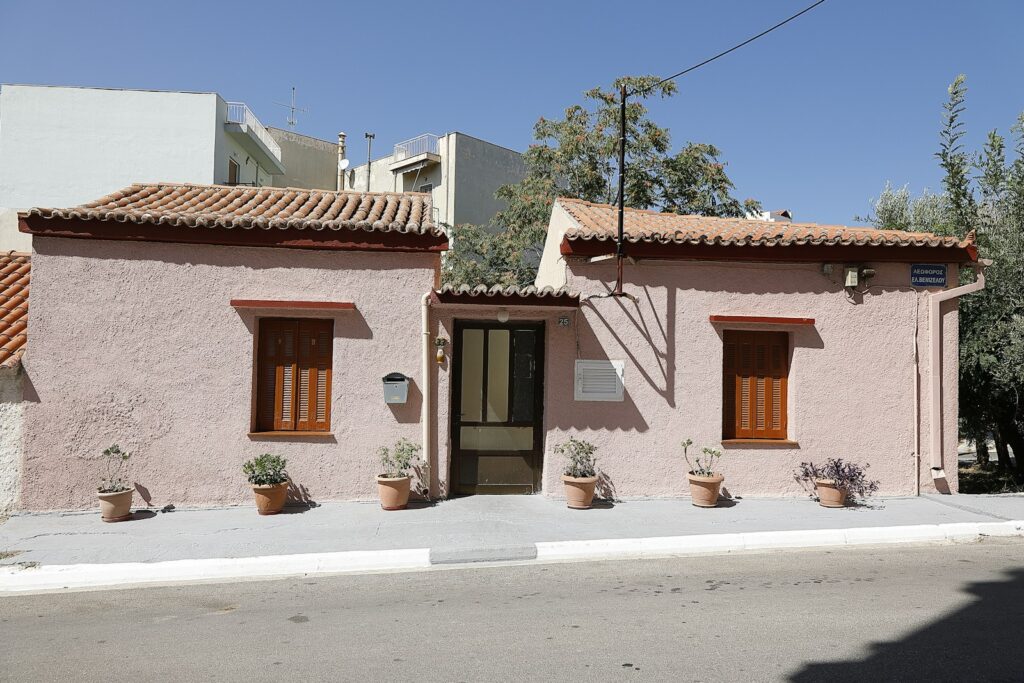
column 482, row 255
column 577, row 156
column 694, row 182
column 953, row 159
column 895, row 209
column 983, row 193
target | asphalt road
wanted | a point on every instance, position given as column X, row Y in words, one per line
column 939, row 613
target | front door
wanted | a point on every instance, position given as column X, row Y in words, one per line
column 497, row 407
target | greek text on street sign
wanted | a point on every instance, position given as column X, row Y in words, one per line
column 928, row 275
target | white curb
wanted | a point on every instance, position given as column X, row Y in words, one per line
column 70, row 576
column 618, row 548
column 17, row 579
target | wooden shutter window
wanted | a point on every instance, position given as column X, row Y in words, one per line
column 294, row 375
column 755, row 377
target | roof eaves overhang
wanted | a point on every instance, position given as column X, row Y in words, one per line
column 354, row 239
column 799, row 253
column 14, row 360
column 504, row 298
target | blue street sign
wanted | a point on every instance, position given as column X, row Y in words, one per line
column 928, row 275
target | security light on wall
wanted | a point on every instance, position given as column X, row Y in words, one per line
column 853, row 276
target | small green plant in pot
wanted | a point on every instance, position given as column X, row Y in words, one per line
column 580, row 474
column 115, row 492
column 269, row 480
column 836, row 481
column 705, row 482
column 394, row 482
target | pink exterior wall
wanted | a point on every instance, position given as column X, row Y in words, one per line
column 851, row 387
column 137, row 344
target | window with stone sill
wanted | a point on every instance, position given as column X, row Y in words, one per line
column 755, row 378
column 293, row 375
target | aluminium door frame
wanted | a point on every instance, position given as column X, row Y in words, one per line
column 455, row 407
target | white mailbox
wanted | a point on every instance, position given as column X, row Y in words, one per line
column 396, row 388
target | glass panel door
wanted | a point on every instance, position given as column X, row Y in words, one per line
column 496, row 429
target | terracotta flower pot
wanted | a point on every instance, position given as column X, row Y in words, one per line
column 579, row 491
column 829, row 496
column 270, row 498
column 393, row 492
column 116, row 507
column 704, row 490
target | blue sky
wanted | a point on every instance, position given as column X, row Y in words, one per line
column 814, row 118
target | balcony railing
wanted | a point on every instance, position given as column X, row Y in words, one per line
column 239, row 112
column 423, row 144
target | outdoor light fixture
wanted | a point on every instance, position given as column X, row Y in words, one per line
column 854, row 276
column 439, row 344
column 502, row 315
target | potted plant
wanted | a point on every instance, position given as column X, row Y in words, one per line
column 836, row 481
column 394, row 483
column 580, row 474
column 705, row 483
column 114, row 492
column 269, row 482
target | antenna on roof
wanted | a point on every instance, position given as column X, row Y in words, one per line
column 292, row 109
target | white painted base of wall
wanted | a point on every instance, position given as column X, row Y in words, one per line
column 11, row 411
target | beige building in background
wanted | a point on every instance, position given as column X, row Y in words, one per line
column 460, row 172
column 311, row 163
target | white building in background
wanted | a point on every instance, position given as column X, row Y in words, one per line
column 779, row 216
column 461, row 173
column 63, row 146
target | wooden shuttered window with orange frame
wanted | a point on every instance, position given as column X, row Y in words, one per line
column 293, row 375
column 754, row 385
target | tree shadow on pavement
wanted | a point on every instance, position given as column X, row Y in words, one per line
column 978, row 642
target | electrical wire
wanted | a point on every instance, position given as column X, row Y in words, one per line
column 734, row 47
column 620, row 251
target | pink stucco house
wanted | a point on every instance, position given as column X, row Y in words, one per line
column 200, row 325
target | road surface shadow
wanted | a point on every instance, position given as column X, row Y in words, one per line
column 978, row 642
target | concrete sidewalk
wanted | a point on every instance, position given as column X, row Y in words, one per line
column 235, row 542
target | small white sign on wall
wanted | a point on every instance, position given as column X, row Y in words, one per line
column 599, row 380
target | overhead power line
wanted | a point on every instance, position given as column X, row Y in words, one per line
column 620, row 251
column 748, row 41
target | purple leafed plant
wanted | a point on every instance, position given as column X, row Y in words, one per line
column 848, row 476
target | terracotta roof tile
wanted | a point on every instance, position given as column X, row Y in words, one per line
column 508, row 296
column 15, row 273
column 599, row 222
column 511, row 290
column 223, row 206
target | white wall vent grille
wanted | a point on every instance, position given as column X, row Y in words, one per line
column 599, row 380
